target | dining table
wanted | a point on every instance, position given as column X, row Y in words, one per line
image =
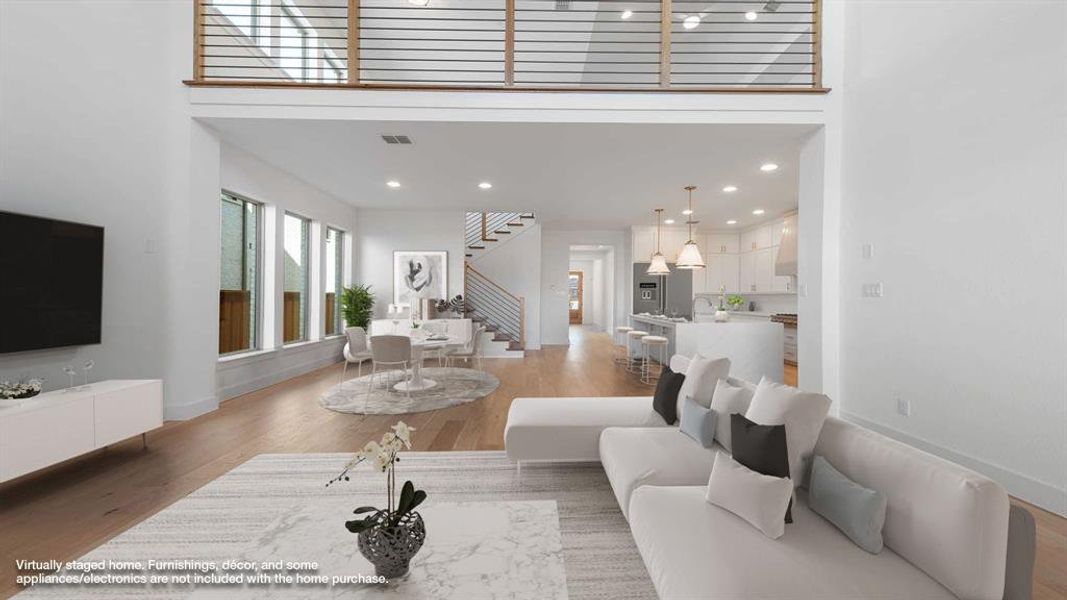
column 421, row 342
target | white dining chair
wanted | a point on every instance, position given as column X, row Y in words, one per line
column 470, row 351
column 436, row 327
column 356, row 350
column 389, row 351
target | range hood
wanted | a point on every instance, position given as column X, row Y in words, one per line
column 786, row 261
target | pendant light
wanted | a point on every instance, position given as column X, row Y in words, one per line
column 659, row 264
column 689, row 258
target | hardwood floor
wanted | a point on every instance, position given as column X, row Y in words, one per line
column 65, row 511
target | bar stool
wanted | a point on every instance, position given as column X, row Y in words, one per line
column 650, row 344
column 619, row 344
column 633, row 339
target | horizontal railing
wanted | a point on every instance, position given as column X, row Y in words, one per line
column 491, row 304
column 715, row 45
column 489, row 226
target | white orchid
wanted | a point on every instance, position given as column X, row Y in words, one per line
column 403, row 433
column 370, row 451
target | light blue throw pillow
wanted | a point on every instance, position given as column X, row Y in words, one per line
column 697, row 422
column 857, row 511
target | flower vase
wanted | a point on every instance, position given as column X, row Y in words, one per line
column 721, row 316
column 390, row 548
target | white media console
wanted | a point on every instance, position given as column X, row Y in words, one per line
column 54, row 426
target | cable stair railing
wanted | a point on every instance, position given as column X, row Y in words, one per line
column 502, row 313
column 486, row 228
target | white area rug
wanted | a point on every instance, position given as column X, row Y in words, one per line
column 454, row 386
column 227, row 518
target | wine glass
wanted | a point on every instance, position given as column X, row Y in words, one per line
column 69, row 370
column 88, row 366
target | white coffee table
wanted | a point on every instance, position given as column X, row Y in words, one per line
column 483, row 550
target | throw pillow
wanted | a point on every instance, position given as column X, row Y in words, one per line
column 665, row 400
column 801, row 412
column 727, row 400
column 762, row 448
column 700, row 379
column 759, row 499
column 697, row 422
column 857, row 511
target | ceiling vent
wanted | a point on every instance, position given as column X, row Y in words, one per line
column 397, row 139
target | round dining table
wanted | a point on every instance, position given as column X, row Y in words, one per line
column 419, row 344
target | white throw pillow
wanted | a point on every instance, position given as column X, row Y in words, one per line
column 759, row 499
column 802, row 413
column 679, row 363
column 727, row 400
column 701, row 378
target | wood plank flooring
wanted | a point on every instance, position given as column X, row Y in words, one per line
column 65, row 511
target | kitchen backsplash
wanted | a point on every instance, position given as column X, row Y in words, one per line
column 769, row 303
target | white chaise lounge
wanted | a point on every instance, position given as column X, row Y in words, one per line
column 946, row 531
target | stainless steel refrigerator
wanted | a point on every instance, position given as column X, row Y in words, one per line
column 670, row 295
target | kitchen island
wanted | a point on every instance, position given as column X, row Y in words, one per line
column 753, row 347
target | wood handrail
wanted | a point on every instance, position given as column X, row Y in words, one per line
column 493, row 283
column 665, row 71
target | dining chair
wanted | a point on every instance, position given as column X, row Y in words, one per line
column 436, row 327
column 471, row 351
column 389, row 351
column 356, row 350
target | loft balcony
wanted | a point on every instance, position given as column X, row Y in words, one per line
column 529, row 45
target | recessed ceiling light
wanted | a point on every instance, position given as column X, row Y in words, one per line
column 751, row 15
column 668, row 222
column 768, row 167
column 731, row 222
column 687, row 212
column 485, row 185
column 393, row 183
column 729, row 189
column 758, row 211
column 691, row 22
column 626, row 14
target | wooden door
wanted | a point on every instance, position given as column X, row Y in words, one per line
column 575, row 291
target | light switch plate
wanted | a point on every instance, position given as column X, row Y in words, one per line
column 872, row 290
column 903, row 407
column 868, row 251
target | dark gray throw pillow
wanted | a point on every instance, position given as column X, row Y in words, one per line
column 857, row 511
column 697, row 422
column 761, row 448
column 665, row 400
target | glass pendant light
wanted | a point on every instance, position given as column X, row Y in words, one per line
column 659, row 264
column 689, row 258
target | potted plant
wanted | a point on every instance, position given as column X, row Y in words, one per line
column 357, row 304
column 388, row 537
column 721, row 316
column 735, row 301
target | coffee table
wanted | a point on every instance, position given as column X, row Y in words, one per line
column 483, row 550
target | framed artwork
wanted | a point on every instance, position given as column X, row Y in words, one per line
column 418, row 275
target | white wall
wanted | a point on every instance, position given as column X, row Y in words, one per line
column 954, row 170
column 809, row 309
column 246, row 175
column 514, row 263
column 597, row 285
column 555, row 265
column 380, row 232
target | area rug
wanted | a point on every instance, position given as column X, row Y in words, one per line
column 221, row 520
column 454, row 386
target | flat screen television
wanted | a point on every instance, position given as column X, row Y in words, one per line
column 51, row 283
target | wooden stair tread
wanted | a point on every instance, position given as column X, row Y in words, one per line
column 515, row 224
column 514, row 345
column 501, row 233
column 475, row 247
column 526, row 216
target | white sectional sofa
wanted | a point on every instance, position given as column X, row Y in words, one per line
column 946, row 530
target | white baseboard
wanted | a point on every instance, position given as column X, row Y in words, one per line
column 184, row 412
column 1038, row 493
column 290, row 371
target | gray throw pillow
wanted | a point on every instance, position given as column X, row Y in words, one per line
column 697, row 422
column 857, row 511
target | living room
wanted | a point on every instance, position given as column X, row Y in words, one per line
column 221, row 391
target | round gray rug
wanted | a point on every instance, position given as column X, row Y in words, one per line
column 454, row 386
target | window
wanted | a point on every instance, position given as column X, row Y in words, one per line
column 335, row 242
column 294, row 50
column 240, row 281
column 333, row 72
column 243, row 14
column 297, row 258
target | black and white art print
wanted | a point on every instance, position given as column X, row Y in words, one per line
column 418, row 275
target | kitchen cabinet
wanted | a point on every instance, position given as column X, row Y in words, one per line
column 643, row 243
column 747, row 272
column 765, row 236
column 723, row 271
column 750, row 240
column 723, row 243
column 765, row 269
column 790, row 349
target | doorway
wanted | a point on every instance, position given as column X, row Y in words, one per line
column 575, row 293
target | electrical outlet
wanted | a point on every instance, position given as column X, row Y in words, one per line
column 872, row 290
column 868, row 251
column 904, row 407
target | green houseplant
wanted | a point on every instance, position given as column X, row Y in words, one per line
column 357, row 302
column 735, row 301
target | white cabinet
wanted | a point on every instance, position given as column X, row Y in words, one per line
column 765, row 236
column 750, row 240
column 765, row 269
column 673, row 240
column 643, row 243
column 747, row 272
column 722, row 271
column 56, row 426
column 723, row 243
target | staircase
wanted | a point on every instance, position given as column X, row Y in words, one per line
column 502, row 313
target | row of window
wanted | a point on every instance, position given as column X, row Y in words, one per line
column 242, row 280
column 291, row 38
